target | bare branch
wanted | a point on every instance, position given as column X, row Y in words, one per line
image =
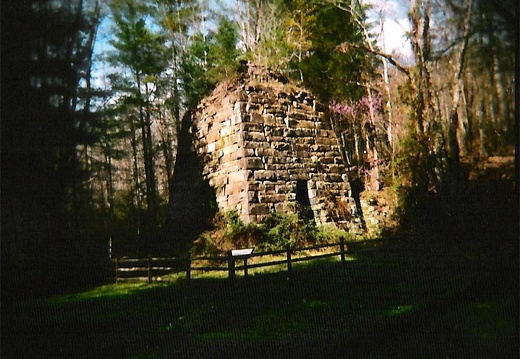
column 346, row 45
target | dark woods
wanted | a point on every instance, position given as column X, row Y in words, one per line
column 45, row 114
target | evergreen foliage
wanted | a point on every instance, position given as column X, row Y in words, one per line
column 330, row 74
column 194, row 74
column 138, row 53
column 44, row 117
column 223, row 55
column 47, row 215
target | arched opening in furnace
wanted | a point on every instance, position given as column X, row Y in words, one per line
column 302, row 197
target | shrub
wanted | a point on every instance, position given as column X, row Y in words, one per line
column 330, row 234
column 275, row 232
column 286, row 229
column 204, row 246
column 229, row 232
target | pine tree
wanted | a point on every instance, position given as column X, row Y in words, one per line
column 46, row 115
column 328, row 72
column 223, row 53
column 141, row 56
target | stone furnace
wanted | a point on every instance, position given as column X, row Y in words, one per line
column 266, row 144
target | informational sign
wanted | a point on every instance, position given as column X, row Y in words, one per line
column 242, row 252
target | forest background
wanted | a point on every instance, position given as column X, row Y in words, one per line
column 90, row 137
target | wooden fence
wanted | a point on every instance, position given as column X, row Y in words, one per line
column 131, row 269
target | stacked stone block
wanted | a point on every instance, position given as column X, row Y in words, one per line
column 259, row 139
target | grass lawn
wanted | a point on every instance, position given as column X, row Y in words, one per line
column 457, row 300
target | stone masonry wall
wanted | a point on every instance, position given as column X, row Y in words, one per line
column 259, row 141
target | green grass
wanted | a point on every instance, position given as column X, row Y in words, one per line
column 389, row 302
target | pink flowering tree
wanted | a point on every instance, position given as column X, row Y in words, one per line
column 357, row 126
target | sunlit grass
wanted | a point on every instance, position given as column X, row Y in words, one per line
column 317, row 303
column 485, row 322
column 400, row 309
column 129, row 288
column 107, row 292
column 323, row 305
column 218, row 335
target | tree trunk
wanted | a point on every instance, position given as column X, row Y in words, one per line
column 136, row 175
column 420, row 81
column 371, row 147
column 149, row 170
column 90, row 51
column 110, row 195
column 458, row 87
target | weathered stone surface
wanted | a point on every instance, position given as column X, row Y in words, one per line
column 227, row 130
column 254, row 136
column 277, row 132
column 272, row 198
column 258, row 141
column 254, row 163
column 281, row 207
column 250, row 127
column 281, row 146
column 237, row 176
column 252, row 196
column 304, row 124
column 265, row 152
column 264, row 175
column 270, row 119
column 258, row 208
column 299, row 176
column 326, row 141
column 234, row 199
column 336, row 169
column 253, row 144
column 257, row 118
column 326, row 160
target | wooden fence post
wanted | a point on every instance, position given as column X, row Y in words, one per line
column 342, row 249
column 289, row 263
column 188, row 269
column 149, row 269
column 231, row 266
column 245, row 267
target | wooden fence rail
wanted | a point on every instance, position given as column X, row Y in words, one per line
column 131, row 269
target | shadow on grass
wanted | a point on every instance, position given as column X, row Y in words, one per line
column 386, row 303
